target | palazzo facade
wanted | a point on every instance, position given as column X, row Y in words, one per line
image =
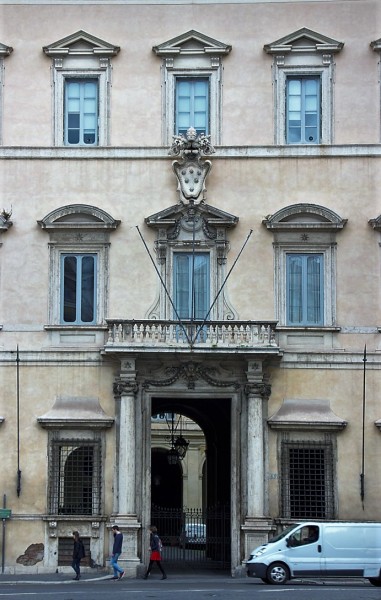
column 190, row 226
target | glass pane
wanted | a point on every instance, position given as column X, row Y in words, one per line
column 294, row 103
column 314, row 291
column 181, row 285
column 311, row 103
column 311, row 86
column 201, row 286
column 70, row 289
column 294, row 86
column 295, row 309
column 87, row 289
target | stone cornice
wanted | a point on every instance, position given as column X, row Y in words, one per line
column 160, row 152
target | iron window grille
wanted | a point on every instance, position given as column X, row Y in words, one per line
column 307, row 480
column 75, row 478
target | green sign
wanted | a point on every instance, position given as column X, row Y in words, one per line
column 5, row 513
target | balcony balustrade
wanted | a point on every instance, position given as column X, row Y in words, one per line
column 148, row 335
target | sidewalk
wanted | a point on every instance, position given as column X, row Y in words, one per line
column 210, row 576
column 64, row 578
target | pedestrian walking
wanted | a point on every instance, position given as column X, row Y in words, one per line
column 116, row 552
column 78, row 554
column 156, row 549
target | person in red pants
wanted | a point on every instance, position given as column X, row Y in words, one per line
column 155, row 556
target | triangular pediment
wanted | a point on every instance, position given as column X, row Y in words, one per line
column 304, row 40
column 170, row 216
column 5, row 50
column 81, row 44
column 191, row 42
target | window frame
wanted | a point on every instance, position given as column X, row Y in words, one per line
column 328, row 252
column 56, row 474
column 82, row 113
column 79, row 288
column 328, row 486
column 78, row 229
column 303, row 111
column 182, row 130
column 310, row 54
column 283, row 75
column 190, row 255
column 304, row 291
column 192, row 55
column 81, row 56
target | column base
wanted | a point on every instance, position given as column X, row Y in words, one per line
column 128, row 560
column 256, row 531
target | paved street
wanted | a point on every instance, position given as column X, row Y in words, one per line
column 189, row 587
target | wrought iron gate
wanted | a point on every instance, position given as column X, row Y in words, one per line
column 193, row 537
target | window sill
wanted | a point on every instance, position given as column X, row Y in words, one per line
column 75, row 327
column 307, row 328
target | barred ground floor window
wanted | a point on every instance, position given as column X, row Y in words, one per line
column 307, row 480
column 75, row 468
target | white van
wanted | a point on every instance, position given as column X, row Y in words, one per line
column 313, row 549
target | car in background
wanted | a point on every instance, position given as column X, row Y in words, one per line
column 193, row 534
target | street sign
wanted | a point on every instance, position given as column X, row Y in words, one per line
column 5, row 513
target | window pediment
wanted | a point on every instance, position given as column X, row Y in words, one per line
column 304, row 216
column 5, row 50
column 191, row 43
column 78, row 216
column 75, row 412
column 306, row 414
column 80, row 44
column 304, row 41
column 376, row 223
column 171, row 215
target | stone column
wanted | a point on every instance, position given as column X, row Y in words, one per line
column 257, row 525
column 125, row 390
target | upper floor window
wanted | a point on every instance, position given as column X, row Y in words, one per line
column 191, row 285
column 81, row 112
column 305, row 264
column 78, row 288
column 192, row 105
column 81, row 89
column 305, row 289
column 79, row 264
column 303, row 110
column 192, row 85
column 194, row 279
column 303, row 72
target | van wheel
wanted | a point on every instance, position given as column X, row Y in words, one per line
column 375, row 581
column 277, row 573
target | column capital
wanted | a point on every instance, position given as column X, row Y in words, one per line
column 258, row 388
column 125, row 387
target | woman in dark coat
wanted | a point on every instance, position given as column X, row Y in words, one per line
column 155, row 556
column 78, row 553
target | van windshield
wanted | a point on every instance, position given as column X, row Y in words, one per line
column 284, row 533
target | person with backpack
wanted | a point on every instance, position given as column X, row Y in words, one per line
column 156, row 548
column 78, row 554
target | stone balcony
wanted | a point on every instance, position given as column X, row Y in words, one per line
column 148, row 335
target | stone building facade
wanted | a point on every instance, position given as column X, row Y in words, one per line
column 191, row 224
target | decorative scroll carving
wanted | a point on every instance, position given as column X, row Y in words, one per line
column 125, row 387
column 258, row 389
column 190, row 371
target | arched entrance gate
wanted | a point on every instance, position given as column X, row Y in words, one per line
column 195, row 535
